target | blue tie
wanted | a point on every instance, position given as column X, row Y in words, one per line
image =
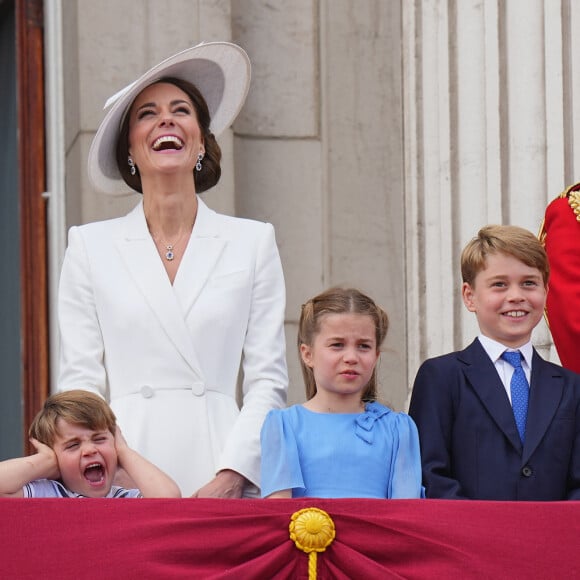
column 520, row 390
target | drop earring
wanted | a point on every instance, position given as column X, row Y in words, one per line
column 131, row 164
column 198, row 164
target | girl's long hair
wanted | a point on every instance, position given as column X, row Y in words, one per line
column 339, row 301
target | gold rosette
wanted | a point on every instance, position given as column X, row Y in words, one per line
column 312, row 530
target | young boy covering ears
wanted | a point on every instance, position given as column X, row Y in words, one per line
column 79, row 448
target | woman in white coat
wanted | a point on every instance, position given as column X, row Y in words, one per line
column 158, row 309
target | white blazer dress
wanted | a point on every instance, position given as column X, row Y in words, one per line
column 167, row 357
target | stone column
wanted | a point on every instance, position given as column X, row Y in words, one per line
column 485, row 142
column 319, row 153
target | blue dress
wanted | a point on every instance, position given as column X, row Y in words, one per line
column 374, row 454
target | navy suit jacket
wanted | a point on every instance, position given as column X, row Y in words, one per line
column 470, row 447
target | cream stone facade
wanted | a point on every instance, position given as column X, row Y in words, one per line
column 377, row 137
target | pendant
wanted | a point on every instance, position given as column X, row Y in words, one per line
column 169, row 254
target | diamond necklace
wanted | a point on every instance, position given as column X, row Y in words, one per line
column 169, row 253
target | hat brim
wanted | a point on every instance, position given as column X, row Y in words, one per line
column 220, row 70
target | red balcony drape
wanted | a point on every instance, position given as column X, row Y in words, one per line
column 244, row 539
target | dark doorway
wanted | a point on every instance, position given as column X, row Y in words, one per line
column 11, row 404
column 23, row 258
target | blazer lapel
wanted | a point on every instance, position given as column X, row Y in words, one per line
column 482, row 375
column 203, row 251
column 545, row 395
column 137, row 250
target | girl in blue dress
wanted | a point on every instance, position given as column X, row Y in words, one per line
column 341, row 442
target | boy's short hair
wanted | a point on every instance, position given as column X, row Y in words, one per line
column 77, row 407
column 509, row 240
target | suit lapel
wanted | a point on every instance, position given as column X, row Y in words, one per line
column 545, row 396
column 482, row 375
column 138, row 252
column 201, row 256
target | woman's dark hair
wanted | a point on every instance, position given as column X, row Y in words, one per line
column 211, row 170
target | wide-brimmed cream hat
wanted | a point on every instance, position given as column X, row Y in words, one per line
column 221, row 72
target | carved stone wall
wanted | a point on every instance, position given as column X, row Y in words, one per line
column 377, row 137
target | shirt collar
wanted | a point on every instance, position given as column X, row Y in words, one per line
column 495, row 349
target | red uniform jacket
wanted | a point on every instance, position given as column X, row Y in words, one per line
column 561, row 236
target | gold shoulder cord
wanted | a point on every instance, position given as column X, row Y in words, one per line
column 574, row 203
column 573, row 196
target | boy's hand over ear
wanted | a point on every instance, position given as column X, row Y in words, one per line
column 47, row 458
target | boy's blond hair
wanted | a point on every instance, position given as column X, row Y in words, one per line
column 77, row 407
column 509, row 240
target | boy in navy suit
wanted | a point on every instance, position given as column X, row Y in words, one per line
column 492, row 425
